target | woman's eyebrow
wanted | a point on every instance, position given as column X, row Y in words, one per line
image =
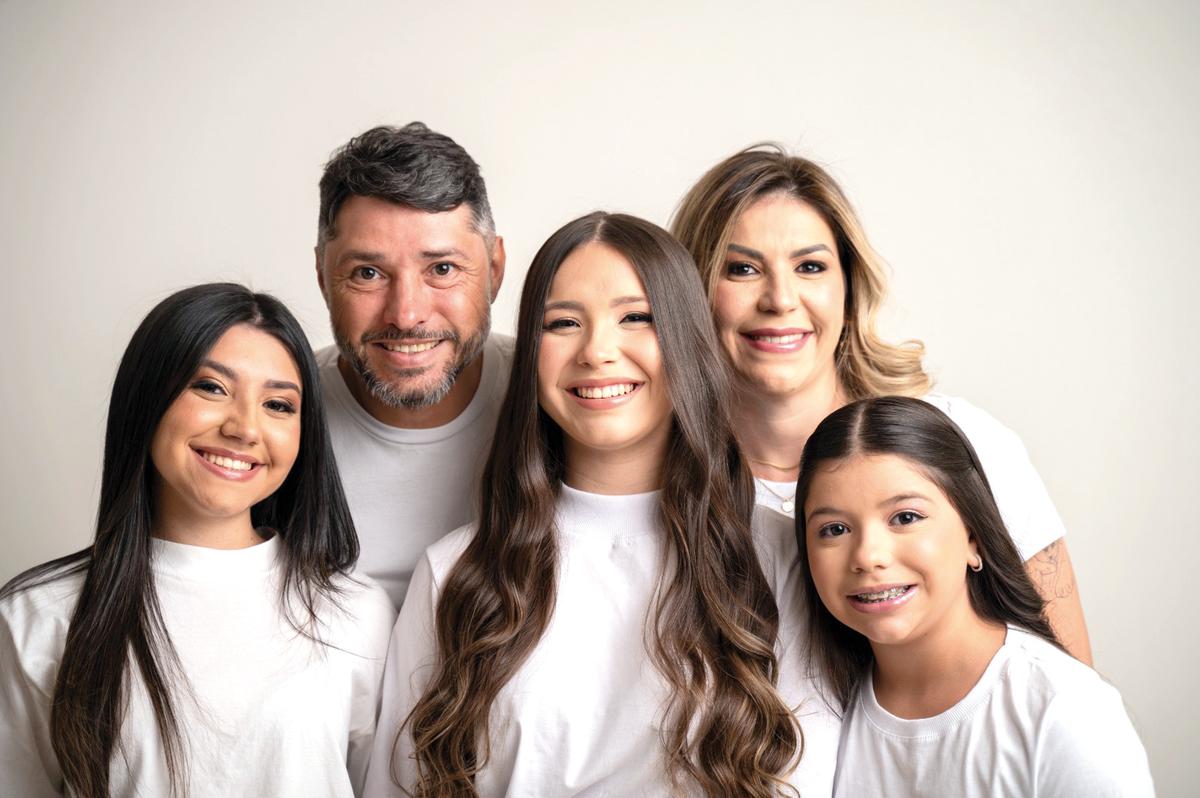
column 225, row 371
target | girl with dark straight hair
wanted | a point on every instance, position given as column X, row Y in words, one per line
column 208, row 642
column 931, row 635
column 609, row 626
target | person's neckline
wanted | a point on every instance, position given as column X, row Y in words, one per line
column 191, row 561
column 608, row 514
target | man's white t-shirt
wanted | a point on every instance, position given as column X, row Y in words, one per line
column 264, row 711
column 582, row 715
column 408, row 487
column 1038, row 722
column 1025, row 505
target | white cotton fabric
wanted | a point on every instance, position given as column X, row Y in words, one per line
column 582, row 716
column 1025, row 505
column 273, row 713
column 408, row 487
column 1038, row 723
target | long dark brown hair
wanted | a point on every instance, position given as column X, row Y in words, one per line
column 117, row 625
column 926, row 437
column 715, row 621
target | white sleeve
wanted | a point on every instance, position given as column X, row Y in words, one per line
column 373, row 627
column 411, row 656
column 28, row 765
column 1028, row 512
column 1088, row 747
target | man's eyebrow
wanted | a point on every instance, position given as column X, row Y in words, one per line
column 361, row 254
column 445, row 252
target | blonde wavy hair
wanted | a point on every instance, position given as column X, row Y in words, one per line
column 867, row 365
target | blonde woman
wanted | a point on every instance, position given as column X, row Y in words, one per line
column 795, row 286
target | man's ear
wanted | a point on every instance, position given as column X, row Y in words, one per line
column 496, row 270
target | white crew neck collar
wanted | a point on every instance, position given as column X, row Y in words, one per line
column 200, row 562
column 597, row 514
column 939, row 724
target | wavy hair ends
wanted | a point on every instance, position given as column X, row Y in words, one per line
column 932, row 443
column 704, row 221
column 117, row 617
column 714, row 621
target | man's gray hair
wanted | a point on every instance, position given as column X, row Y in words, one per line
column 410, row 165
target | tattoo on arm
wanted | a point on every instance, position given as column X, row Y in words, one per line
column 1047, row 573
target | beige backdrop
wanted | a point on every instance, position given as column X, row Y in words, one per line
column 1028, row 169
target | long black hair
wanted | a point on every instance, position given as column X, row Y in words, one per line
column 926, row 437
column 117, row 617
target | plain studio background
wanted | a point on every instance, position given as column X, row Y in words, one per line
column 1027, row 169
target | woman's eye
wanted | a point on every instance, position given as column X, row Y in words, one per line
column 365, row 273
column 638, row 317
column 740, row 269
column 811, row 267
column 443, row 269
column 280, row 406
column 208, row 386
column 560, row 324
column 833, row 530
column 906, row 517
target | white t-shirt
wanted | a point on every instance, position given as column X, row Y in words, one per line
column 274, row 713
column 1037, row 723
column 582, row 715
column 408, row 487
column 1021, row 496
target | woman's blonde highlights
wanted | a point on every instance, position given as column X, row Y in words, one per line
column 866, row 364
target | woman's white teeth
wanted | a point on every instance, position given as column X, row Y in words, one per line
column 605, row 391
column 409, row 349
column 779, row 339
column 227, row 462
column 883, row 595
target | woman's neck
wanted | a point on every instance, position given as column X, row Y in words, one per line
column 619, row 472
column 926, row 677
column 179, row 526
column 773, row 428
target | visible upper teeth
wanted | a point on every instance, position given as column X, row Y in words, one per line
column 779, row 339
column 226, row 462
column 408, row 349
column 606, row 391
column 883, row 595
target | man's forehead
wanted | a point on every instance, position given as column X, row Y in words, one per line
column 373, row 218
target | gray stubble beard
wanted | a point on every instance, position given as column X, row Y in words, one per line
column 392, row 396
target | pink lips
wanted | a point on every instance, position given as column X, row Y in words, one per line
column 885, row 605
column 228, row 473
column 784, row 340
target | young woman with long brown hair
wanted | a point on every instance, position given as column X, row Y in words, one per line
column 931, row 635
column 209, row 642
column 609, row 626
column 795, row 286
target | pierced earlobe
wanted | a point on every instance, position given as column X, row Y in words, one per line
column 977, row 565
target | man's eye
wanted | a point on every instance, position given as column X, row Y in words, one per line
column 365, row 273
column 833, row 530
column 443, row 269
column 906, row 517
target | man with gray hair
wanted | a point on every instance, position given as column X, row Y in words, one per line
column 409, row 262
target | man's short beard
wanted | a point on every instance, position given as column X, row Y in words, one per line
column 389, row 394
